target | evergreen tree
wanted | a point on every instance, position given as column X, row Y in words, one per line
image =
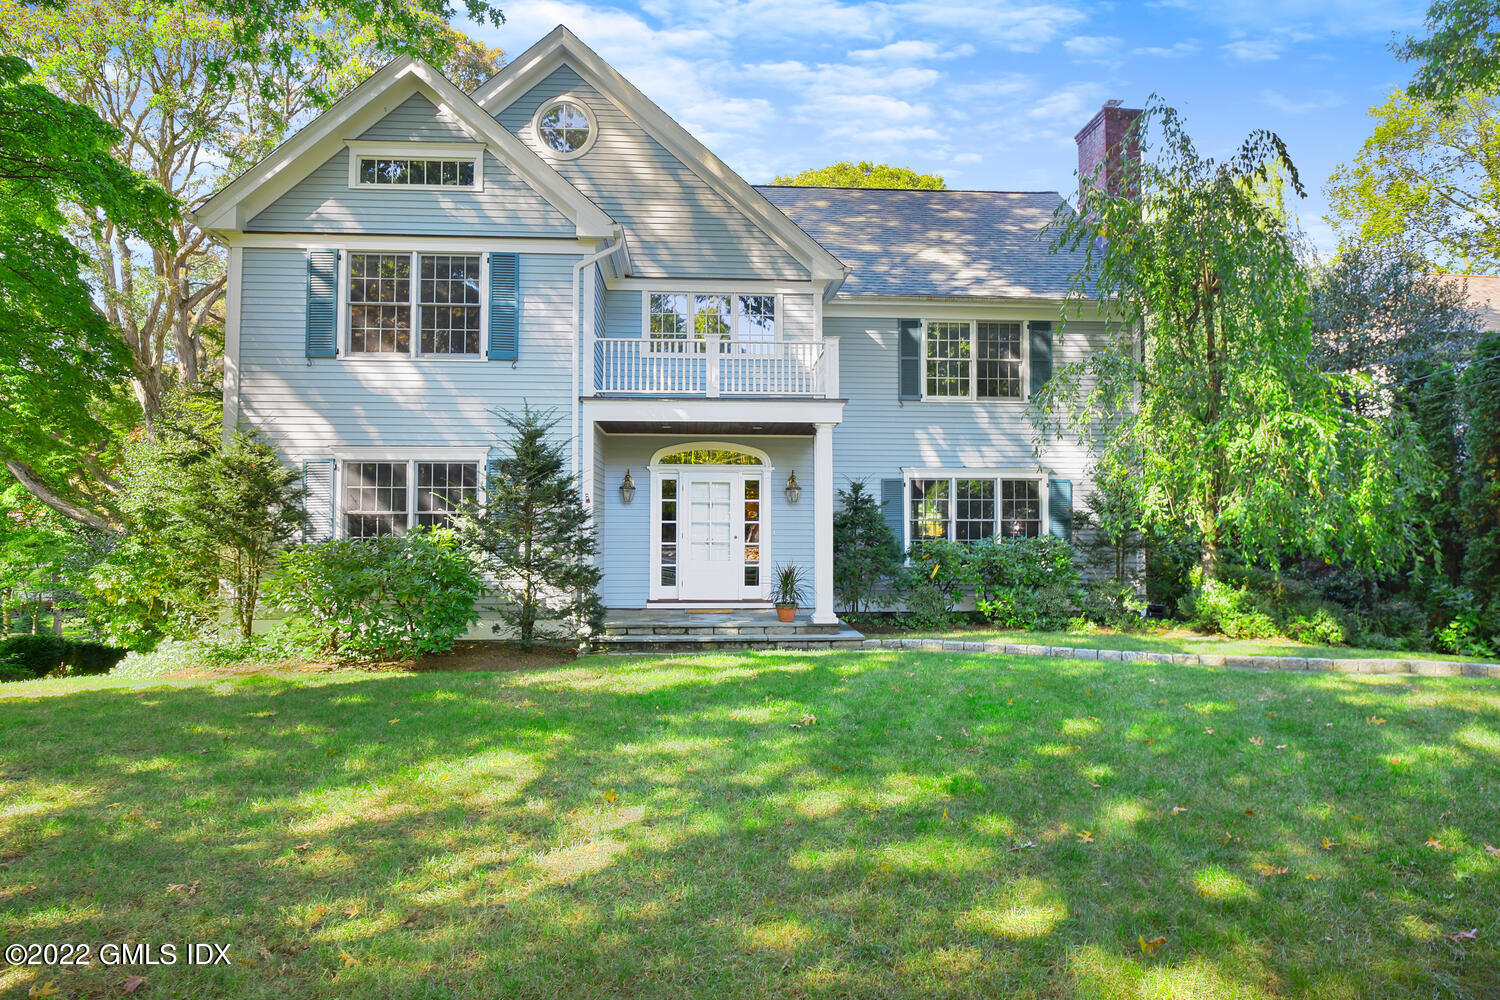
column 1433, row 397
column 1111, row 521
column 533, row 535
column 866, row 553
column 1481, row 487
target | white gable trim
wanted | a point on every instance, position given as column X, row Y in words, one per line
column 234, row 205
column 561, row 45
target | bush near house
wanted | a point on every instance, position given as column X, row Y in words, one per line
column 393, row 597
column 23, row 657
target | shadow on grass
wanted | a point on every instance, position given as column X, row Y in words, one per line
column 861, row 824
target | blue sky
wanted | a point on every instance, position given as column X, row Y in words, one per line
column 990, row 94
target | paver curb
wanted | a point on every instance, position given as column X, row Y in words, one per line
column 1352, row 665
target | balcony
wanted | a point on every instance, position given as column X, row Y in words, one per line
column 639, row 366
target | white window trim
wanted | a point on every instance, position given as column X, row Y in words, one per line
column 955, row 472
column 734, row 311
column 360, row 149
column 659, row 473
column 409, row 458
column 413, row 352
column 581, row 105
column 973, row 396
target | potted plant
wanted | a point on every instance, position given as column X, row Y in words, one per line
column 788, row 592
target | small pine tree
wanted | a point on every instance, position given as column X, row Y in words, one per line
column 1112, row 516
column 534, row 536
column 1481, row 487
column 865, row 551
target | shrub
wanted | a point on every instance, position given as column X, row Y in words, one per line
column 379, row 598
column 14, row 672
column 41, row 654
column 1022, row 582
column 929, row 605
column 1110, row 603
column 87, row 659
column 866, row 554
column 1215, row 606
column 1323, row 627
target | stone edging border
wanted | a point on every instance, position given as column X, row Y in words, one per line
column 1420, row 668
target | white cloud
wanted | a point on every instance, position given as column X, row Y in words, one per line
column 910, row 50
column 1254, row 50
column 1019, row 27
column 1068, row 103
column 1320, row 101
column 1093, row 46
column 1175, row 51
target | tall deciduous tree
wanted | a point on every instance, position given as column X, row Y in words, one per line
column 535, row 537
column 1216, row 406
column 864, row 174
column 1428, row 180
column 1461, row 52
column 59, row 359
column 198, row 90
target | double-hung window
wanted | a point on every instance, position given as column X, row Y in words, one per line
column 686, row 322
column 414, row 304
column 387, row 498
column 972, row 359
column 968, row 509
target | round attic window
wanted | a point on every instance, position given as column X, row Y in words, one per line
column 565, row 127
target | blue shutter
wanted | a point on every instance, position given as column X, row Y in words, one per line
column 1041, row 354
column 322, row 303
column 910, row 378
column 505, row 339
column 893, row 507
column 317, row 499
column 1060, row 509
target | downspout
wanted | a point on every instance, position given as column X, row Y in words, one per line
column 619, row 241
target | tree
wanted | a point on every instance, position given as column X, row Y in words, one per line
column 59, row 359
column 1432, row 395
column 866, row 553
column 533, row 535
column 1461, row 52
column 1481, row 486
column 198, row 90
column 1217, row 408
column 1427, row 180
column 1109, row 521
column 864, row 174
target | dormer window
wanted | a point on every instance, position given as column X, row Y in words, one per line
column 432, row 166
column 565, row 128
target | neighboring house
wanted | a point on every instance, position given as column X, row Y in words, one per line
column 417, row 258
column 1483, row 293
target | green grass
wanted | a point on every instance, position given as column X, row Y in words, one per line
column 659, row 828
column 1179, row 640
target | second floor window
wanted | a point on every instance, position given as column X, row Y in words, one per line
column 695, row 319
column 383, row 299
column 965, row 359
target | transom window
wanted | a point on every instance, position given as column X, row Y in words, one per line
column 412, row 171
column 382, row 299
column 565, row 127
column 709, row 456
column 378, row 496
column 683, row 323
column 968, row 359
column 968, row 510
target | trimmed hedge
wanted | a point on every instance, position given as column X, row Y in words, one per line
column 23, row 657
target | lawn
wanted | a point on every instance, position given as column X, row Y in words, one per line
column 1177, row 640
column 854, row 823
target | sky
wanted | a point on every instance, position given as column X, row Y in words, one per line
column 989, row 95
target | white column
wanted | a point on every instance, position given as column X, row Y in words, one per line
column 823, row 526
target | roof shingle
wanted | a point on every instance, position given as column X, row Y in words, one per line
column 979, row 244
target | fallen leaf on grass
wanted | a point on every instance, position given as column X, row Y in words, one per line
column 1229, row 838
column 610, row 795
column 1434, row 843
column 1087, row 836
column 1328, row 844
column 351, row 912
column 1281, row 746
column 1271, row 871
column 1313, row 878
column 347, row 959
column 1257, row 741
column 47, row 989
column 190, row 888
column 305, row 845
column 132, row 983
column 1491, row 850
column 1208, row 730
column 1178, row 809
column 1249, row 812
column 1150, row 947
column 1468, row 935
column 1021, row 846
column 1374, row 720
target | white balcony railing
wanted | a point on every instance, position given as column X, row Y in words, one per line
column 716, row 368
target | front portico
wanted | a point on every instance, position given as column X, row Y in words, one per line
column 711, row 515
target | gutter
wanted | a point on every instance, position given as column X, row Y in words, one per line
column 617, row 245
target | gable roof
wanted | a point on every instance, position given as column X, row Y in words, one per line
column 561, row 46
column 235, row 204
column 979, row 244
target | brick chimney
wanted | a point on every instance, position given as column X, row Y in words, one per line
column 1103, row 141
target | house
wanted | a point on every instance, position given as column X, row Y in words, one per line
column 723, row 357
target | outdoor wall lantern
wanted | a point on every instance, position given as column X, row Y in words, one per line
column 793, row 491
column 627, row 488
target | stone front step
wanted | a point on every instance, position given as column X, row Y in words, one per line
column 699, row 641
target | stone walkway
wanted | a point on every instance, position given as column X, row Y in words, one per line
column 1420, row 668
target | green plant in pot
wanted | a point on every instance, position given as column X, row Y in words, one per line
column 789, row 591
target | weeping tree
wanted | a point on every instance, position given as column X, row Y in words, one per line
column 1212, row 399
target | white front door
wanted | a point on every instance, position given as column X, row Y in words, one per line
column 710, row 558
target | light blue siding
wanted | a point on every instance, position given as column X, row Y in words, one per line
column 323, row 202
column 881, row 434
column 799, row 319
column 419, row 120
column 625, row 554
column 675, row 222
column 622, row 313
column 309, row 408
